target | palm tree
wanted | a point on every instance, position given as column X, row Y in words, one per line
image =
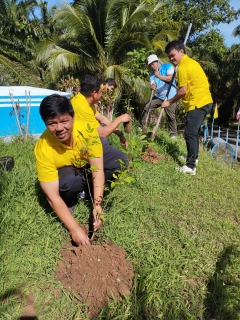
column 19, row 31
column 236, row 31
column 97, row 36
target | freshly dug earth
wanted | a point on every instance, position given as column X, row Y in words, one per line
column 151, row 155
column 95, row 274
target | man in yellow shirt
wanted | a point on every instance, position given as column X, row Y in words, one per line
column 62, row 153
column 84, row 107
column 195, row 94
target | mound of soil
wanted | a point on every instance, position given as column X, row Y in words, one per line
column 151, row 155
column 95, row 274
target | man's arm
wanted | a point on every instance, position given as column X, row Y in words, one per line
column 98, row 189
column 180, row 93
column 111, row 126
column 102, row 119
column 51, row 189
column 167, row 78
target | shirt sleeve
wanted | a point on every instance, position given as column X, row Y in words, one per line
column 170, row 69
column 152, row 78
column 46, row 169
column 182, row 77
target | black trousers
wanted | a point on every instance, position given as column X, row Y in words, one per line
column 193, row 123
column 73, row 180
column 113, row 159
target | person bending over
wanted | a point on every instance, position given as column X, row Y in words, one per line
column 159, row 80
column 62, row 154
column 84, row 107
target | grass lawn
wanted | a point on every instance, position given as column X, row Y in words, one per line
column 180, row 232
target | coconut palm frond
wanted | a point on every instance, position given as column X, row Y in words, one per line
column 126, row 16
column 159, row 47
column 234, row 52
column 79, row 29
column 15, row 73
column 158, row 6
column 236, row 31
column 126, row 43
column 141, row 89
column 166, row 34
column 208, row 66
column 60, row 60
column 128, row 82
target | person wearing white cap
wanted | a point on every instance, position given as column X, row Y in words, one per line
column 159, row 80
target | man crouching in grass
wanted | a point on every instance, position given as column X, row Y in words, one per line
column 62, row 153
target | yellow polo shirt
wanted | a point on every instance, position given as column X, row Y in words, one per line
column 51, row 154
column 83, row 111
column 191, row 74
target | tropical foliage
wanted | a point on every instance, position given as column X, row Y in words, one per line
column 44, row 46
column 98, row 36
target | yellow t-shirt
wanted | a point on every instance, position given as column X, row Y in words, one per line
column 190, row 73
column 51, row 154
column 83, row 111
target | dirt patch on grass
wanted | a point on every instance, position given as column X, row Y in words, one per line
column 95, row 274
column 152, row 156
column 29, row 311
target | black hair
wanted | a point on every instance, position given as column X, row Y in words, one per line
column 175, row 44
column 110, row 82
column 89, row 84
column 55, row 105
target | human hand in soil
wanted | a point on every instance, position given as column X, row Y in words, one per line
column 98, row 216
column 124, row 142
column 80, row 237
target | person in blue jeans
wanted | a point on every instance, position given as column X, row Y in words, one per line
column 159, row 79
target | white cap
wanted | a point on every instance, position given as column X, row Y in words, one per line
column 152, row 58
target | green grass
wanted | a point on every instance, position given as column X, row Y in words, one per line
column 180, row 232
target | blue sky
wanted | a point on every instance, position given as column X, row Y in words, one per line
column 225, row 29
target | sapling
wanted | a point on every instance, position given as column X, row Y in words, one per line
column 106, row 105
column 120, row 176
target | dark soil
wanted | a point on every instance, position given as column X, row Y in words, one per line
column 127, row 127
column 152, row 156
column 95, row 274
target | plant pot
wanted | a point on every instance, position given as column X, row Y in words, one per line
column 6, row 163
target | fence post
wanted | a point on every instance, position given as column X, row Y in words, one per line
column 236, row 149
column 227, row 136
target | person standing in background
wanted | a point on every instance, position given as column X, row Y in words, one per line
column 159, row 79
column 196, row 97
